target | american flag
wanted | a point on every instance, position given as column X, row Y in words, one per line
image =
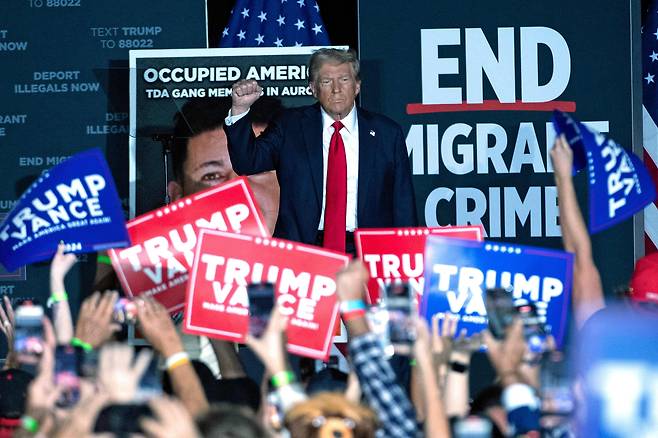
column 650, row 116
column 275, row 23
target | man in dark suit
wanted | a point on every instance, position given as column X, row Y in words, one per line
column 339, row 167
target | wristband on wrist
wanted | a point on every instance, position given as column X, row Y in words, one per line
column 57, row 297
column 282, row 378
column 351, row 305
column 176, row 360
column 103, row 259
column 458, row 367
column 30, row 424
column 413, row 362
column 352, row 314
column 86, row 346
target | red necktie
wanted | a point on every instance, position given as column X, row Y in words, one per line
column 336, row 193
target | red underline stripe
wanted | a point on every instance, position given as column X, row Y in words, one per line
column 491, row 105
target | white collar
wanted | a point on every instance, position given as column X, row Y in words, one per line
column 349, row 121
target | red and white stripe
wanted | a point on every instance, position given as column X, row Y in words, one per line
column 651, row 161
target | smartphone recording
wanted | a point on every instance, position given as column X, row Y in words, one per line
column 398, row 303
column 28, row 336
column 261, row 303
column 502, row 310
column 67, row 375
column 125, row 311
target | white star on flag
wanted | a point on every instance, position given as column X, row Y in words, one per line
column 298, row 44
column 653, row 56
column 656, row 33
column 649, row 78
column 254, row 23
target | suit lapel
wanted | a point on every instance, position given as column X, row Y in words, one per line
column 367, row 154
column 312, row 132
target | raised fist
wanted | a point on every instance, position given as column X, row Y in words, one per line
column 244, row 94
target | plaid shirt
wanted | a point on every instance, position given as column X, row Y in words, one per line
column 379, row 385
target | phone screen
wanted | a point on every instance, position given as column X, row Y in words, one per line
column 67, row 375
column 125, row 311
column 533, row 328
column 399, row 303
column 261, row 302
column 150, row 385
column 28, row 336
column 557, row 397
column 500, row 311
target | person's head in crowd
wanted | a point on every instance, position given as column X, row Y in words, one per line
column 122, row 421
column 330, row 415
column 327, row 380
column 226, row 420
column 306, row 369
column 334, row 80
column 200, row 156
column 239, row 391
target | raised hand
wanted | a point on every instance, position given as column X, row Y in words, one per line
column 351, row 281
column 157, row 327
column 506, row 356
column 61, row 264
column 171, row 420
column 270, row 348
column 95, row 324
column 59, row 267
column 562, row 157
column 7, row 324
column 422, row 346
column 117, row 372
column 42, row 394
column 243, row 94
column 82, row 418
column 467, row 344
column 443, row 339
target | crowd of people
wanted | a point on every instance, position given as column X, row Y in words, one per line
column 84, row 379
column 375, row 399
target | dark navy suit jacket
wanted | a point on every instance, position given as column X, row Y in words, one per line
column 292, row 145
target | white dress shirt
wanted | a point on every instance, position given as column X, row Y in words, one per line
column 350, row 135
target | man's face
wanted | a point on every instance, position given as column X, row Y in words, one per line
column 207, row 164
column 335, row 88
